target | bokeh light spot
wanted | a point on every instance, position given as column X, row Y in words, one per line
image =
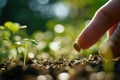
column 61, row 10
column 31, row 55
column 2, row 3
column 100, row 75
column 63, row 76
column 43, row 1
column 41, row 77
column 33, row 5
column 55, row 45
column 59, row 28
column 41, row 45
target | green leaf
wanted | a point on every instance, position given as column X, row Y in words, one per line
column 34, row 42
column 2, row 28
column 14, row 27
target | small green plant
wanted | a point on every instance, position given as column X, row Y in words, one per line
column 10, row 41
column 25, row 44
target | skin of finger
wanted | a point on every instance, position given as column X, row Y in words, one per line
column 104, row 18
column 113, row 42
column 115, row 38
column 111, row 30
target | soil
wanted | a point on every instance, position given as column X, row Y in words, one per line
column 62, row 69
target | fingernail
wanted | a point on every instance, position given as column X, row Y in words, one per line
column 77, row 47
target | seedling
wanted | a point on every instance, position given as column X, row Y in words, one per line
column 25, row 43
column 8, row 32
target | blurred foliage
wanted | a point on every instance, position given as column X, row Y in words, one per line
column 37, row 13
column 54, row 24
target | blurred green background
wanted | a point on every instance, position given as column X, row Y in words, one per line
column 55, row 24
column 44, row 14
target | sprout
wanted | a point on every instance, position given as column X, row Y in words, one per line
column 25, row 44
column 13, row 27
column 2, row 28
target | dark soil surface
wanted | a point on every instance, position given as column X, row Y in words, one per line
column 62, row 69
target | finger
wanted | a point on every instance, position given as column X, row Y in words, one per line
column 112, row 29
column 105, row 17
column 115, row 38
column 113, row 43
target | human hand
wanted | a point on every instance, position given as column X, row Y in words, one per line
column 105, row 19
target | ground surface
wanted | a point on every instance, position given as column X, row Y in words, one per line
column 62, row 69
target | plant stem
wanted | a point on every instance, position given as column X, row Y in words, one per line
column 25, row 53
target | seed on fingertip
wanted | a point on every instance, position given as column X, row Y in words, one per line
column 77, row 47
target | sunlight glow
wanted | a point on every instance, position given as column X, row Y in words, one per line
column 63, row 76
column 59, row 28
column 31, row 55
column 2, row 3
column 42, row 1
column 39, row 5
column 54, row 45
column 100, row 75
column 21, row 49
column 13, row 54
column 49, row 77
column 61, row 10
column 17, row 38
column 41, row 45
column 41, row 77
